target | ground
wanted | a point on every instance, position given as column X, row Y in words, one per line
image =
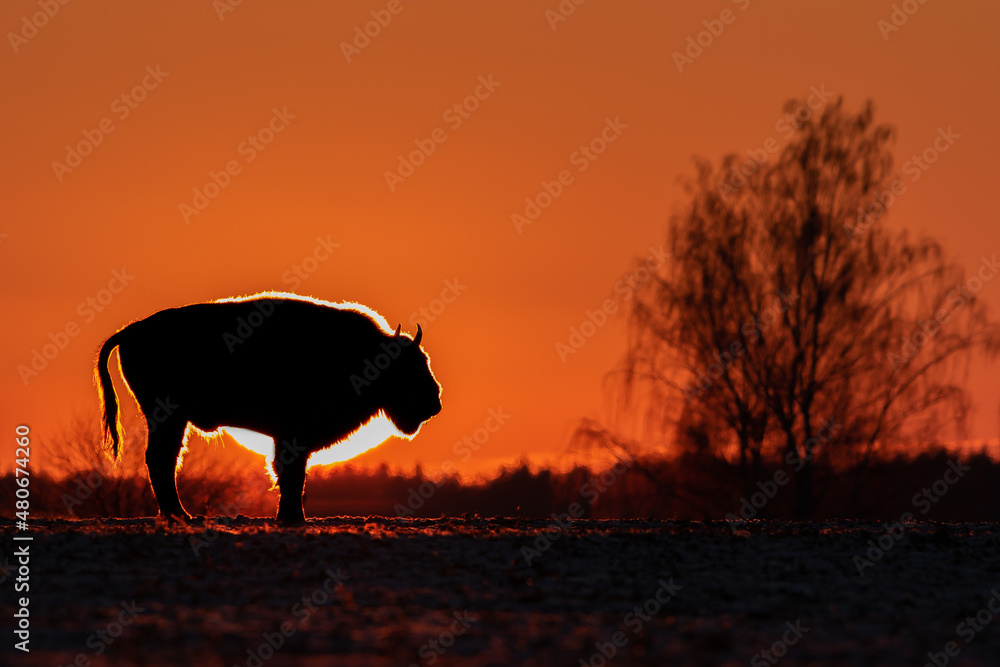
column 380, row 591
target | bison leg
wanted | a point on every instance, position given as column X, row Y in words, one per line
column 291, row 479
column 165, row 442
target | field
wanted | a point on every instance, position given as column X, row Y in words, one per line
column 378, row 591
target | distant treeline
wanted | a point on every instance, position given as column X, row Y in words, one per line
column 936, row 484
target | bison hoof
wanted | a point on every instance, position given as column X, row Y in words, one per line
column 291, row 520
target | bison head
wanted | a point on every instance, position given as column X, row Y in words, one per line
column 413, row 395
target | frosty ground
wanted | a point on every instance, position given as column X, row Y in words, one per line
column 380, row 591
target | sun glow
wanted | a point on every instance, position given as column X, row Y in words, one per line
column 369, row 435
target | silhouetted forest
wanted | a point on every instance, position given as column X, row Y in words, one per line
column 932, row 485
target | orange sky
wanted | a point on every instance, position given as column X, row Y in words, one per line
column 319, row 188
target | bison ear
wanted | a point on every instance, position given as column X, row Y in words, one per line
column 416, row 339
column 398, row 329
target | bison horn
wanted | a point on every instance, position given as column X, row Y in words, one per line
column 398, row 328
column 416, row 339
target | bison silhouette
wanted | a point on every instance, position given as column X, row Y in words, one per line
column 300, row 370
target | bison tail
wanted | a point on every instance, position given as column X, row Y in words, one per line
column 106, row 394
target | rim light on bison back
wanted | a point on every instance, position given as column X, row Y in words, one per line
column 287, row 366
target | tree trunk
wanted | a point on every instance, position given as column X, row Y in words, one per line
column 803, row 492
column 744, row 469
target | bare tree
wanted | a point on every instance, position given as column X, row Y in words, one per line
column 792, row 325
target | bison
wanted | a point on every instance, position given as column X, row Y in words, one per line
column 300, row 370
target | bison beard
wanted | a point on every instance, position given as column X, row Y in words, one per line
column 275, row 363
